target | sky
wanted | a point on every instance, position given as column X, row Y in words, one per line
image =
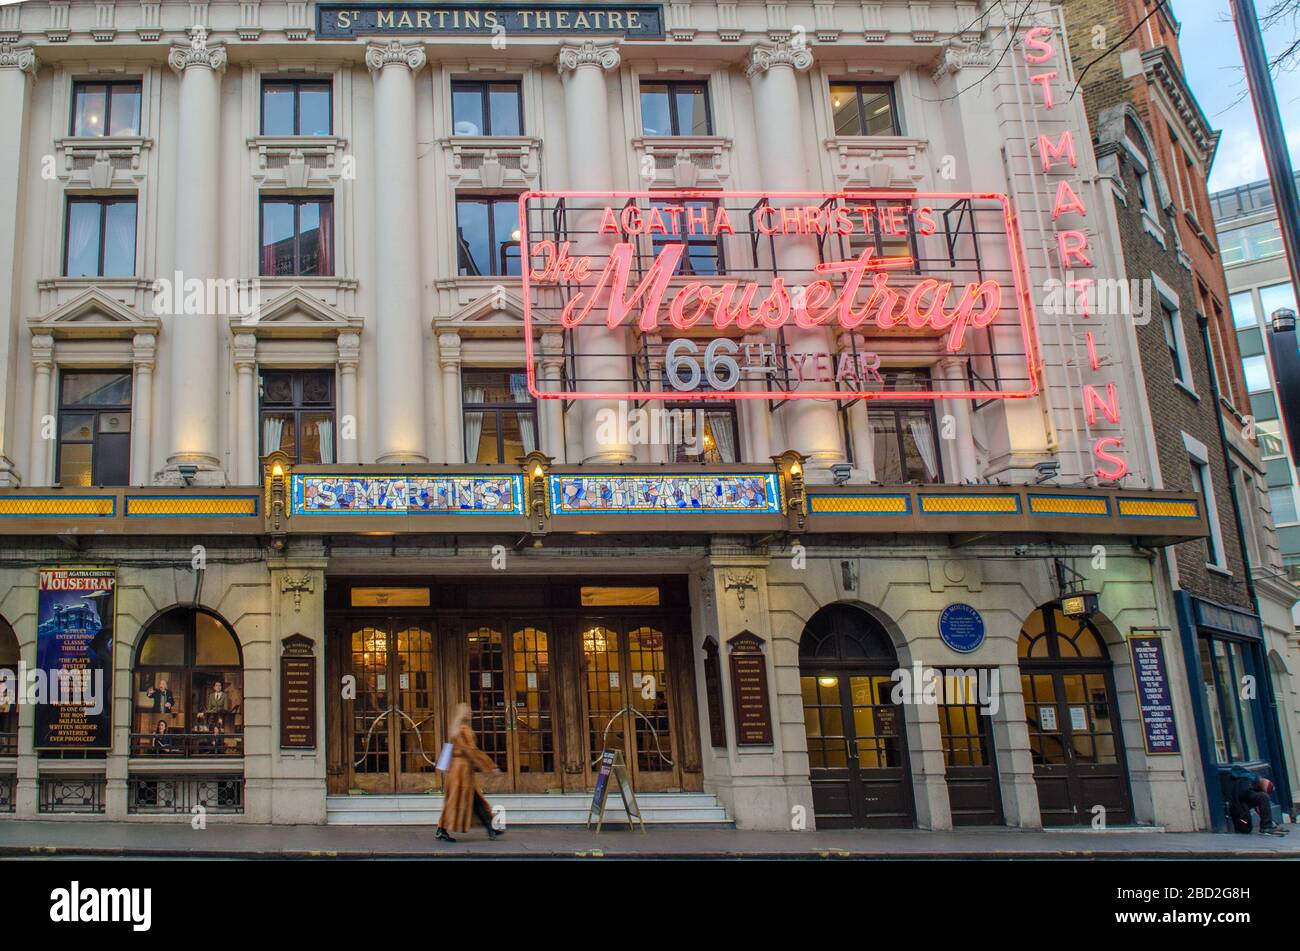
column 1212, row 62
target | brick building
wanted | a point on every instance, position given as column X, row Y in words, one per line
column 1155, row 147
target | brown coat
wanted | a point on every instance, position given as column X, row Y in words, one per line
column 459, row 787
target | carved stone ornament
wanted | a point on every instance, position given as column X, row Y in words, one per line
column 18, row 57
column 198, row 53
column 298, row 586
column 588, row 54
column 764, row 58
column 740, row 582
column 378, row 56
column 960, row 55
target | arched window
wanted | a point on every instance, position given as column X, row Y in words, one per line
column 8, row 691
column 189, row 687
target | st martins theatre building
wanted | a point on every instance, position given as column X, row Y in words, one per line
column 709, row 382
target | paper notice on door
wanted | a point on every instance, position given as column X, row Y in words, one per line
column 404, row 681
column 613, row 679
column 532, row 681
column 381, row 682
column 485, row 680
column 1047, row 718
column 1078, row 718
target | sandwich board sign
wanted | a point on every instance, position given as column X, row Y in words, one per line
column 612, row 765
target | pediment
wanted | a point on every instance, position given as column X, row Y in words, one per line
column 497, row 308
column 296, row 313
column 92, row 315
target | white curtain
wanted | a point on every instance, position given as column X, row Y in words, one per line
column 82, row 229
column 527, row 421
column 724, row 436
column 923, row 436
column 272, row 428
column 326, row 430
column 473, row 422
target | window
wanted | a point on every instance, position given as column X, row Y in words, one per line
column 703, row 433
column 1223, row 665
column 298, row 414
column 1276, row 297
column 883, row 240
column 1203, row 485
column 188, row 687
column 703, row 255
column 1268, row 435
column 1251, row 243
column 487, row 235
column 297, row 107
column 675, row 109
column 500, row 415
column 494, row 108
column 94, row 428
column 1256, row 370
column 106, row 108
column 99, row 237
column 1243, row 309
column 1172, row 322
column 1281, row 500
column 864, row 109
column 9, row 660
column 297, row 236
column 903, row 435
column 1145, row 193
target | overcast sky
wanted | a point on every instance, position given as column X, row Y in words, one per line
column 1212, row 60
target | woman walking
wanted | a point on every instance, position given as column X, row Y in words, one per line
column 461, row 796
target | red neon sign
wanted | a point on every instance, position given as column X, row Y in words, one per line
column 595, row 272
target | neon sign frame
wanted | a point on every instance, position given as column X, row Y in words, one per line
column 1019, row 293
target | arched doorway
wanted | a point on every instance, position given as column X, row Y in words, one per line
column 9, row 704
column 1074, row 729
column 188, row 687
column 857, row 747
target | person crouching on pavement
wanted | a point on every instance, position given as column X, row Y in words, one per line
column 461, row 795
column 1254, row 792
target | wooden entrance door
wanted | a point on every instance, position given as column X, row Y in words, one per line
column 628, row 699
column 970, row 765
column 393, row 721
column 857, row 746
column 511, row 694
column 1074, row 733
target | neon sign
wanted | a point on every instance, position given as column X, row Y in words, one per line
column 901, row 277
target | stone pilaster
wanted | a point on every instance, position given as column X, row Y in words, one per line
column 247, row 423
column 144, row 351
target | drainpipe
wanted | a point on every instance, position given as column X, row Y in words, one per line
column 1271, row 726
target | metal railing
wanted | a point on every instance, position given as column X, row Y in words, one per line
column 186, row 745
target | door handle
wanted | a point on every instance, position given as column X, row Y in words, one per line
column 853, row 747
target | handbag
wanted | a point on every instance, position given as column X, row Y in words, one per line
column 444, row 758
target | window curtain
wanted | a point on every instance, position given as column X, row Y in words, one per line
column 268, row 259
column 272, row 428
column 325, row 429
column 473, row 422
column 119, row 239
column 724, row 435
column 923, row 436
column 82, row 229
column 326, row 266
column 527, row 421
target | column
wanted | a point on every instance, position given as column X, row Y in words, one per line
column 247, row 423
column 601, row 357
column 345, row 439
column 812, row 424
column 401, row 410
column 756, row 417
column 193, row 351
column 38, row 463
column 953, row 374
column 144, row 350
column 17, row 70
column 553, row 410
column 453, row 427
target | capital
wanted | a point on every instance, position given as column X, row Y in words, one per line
column 349, row 351
column 379, row 55
column 763, row 58
column 198, row 53
column 604, row 56
column 22, row 58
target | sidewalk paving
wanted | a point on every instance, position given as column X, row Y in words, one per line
column 31, row 838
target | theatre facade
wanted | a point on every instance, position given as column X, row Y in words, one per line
column 711, row 382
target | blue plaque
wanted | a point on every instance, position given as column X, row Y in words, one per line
column 961, row 627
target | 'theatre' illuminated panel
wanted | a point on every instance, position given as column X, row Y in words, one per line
column 667, row 493
column 407, row 495
column 732, row 295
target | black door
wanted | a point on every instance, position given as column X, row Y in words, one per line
column 1073, row 720
column 970, row 765
column 857, row 747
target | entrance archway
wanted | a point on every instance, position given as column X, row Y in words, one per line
column 1074, row 729
column 857, row 746
column 9, row 657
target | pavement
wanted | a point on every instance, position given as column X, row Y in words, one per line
column 75, row 838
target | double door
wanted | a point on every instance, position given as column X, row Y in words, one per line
column 857, row 750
